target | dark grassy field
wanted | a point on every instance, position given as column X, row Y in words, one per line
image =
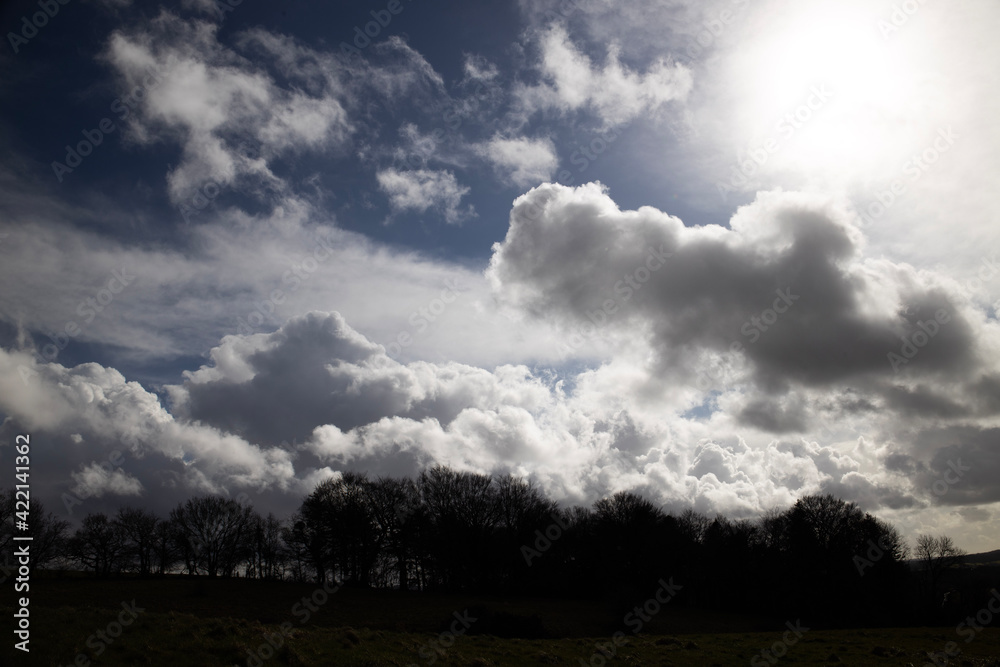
column 225, row 622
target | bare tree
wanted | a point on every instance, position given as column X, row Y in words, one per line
column 693, row 525
column 890, row 540
column 936, row 554
column 773, row 526
column 266, row 558
column 462, row 512
column 97, row 545
column 825, row 523
column 298, row 540
column 394, row 506
column 138, row 531
column 212, row 531
column 165, row 551
column 48, row 535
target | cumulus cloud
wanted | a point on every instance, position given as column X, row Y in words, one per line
column 615, row 93
column 775, row 325
column 736, row 366
column 278, row 409
column 423, row 189
column 276, row 412
column 522, row 161
column 785, row 286
column 128, row 444
column 349, row 406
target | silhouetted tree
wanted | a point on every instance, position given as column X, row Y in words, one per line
column 343, row 535
column 138, row 531
column 395, row 512
column 523, row 514
column 98, row 545
column 164, row 544
column 459, row 531
column 935, row 555
column 824, row 536
column 628, row 534
column 212, row 532
column 266, row 556
column 48, row 535
column 463, row 512
column 298, row 540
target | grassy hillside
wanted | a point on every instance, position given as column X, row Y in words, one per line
column 225, row 622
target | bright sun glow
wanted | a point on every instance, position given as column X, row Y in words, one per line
column 871, row 86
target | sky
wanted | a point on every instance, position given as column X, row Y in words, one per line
column 724, row 254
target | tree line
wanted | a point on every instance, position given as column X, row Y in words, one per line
column 452, row 531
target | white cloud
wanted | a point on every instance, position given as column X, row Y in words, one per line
column 525, row 162
column 97, row 480
column 161, row 458
column 584, row 397
column 615, row 93
column 343, row 404
column 423, row 189
column 352, row 406
column 231, row 117
column 181, row 302
column 478, row 68
column 213, row 101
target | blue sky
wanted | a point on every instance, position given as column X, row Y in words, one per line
column 540, row 237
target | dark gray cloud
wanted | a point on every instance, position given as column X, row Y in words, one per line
column 769, row 415
column 316, row 370
column 784, row 284
column 963, row 464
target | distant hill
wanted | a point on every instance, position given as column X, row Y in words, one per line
column 988, row 557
